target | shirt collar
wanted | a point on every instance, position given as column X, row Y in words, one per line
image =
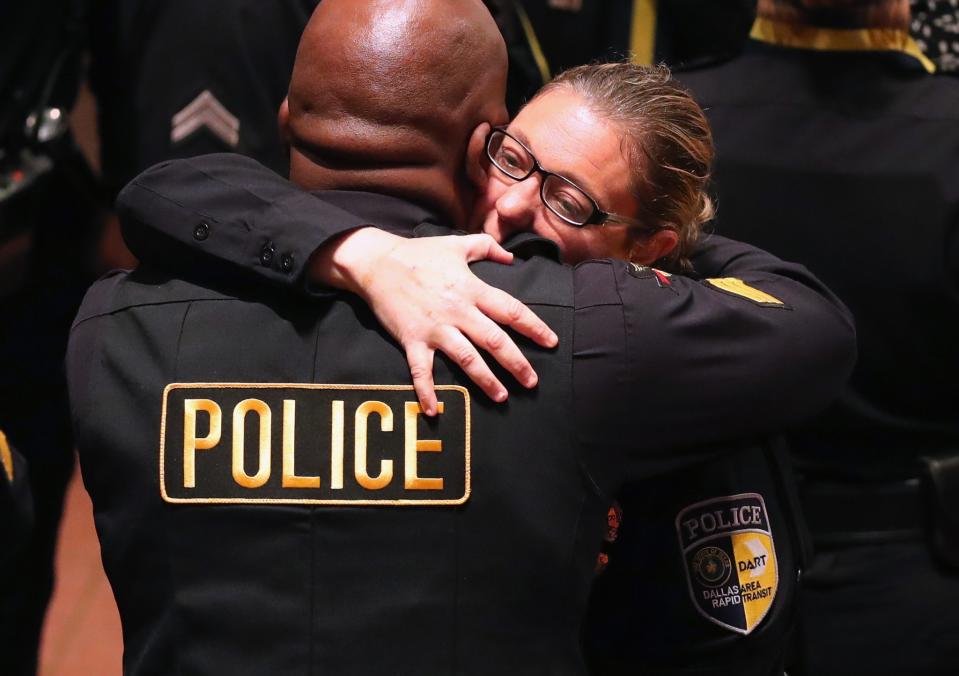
column 838, row 40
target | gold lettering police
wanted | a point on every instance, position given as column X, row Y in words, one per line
column 371, row 475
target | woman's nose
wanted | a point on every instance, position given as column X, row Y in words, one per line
column 517, row 206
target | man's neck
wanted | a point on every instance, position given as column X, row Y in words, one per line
column 427, row 186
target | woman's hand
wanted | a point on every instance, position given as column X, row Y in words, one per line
column 424, row 294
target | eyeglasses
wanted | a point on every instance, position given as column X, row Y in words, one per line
column 560, row 195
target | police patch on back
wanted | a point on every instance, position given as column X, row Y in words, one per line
column 730, row 559
column 314, row 444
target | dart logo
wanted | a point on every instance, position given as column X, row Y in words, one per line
column 730, row 560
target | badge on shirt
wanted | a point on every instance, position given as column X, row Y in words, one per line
column 314, row 444
column 730, row 559
column 646, row 272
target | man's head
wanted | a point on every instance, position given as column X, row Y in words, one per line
column 386, row 95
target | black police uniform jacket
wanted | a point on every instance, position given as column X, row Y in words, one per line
column 490, row 576
column 848, row 160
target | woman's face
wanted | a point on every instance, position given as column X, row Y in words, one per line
column 569, row 139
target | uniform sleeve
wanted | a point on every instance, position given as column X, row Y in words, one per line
column 663, row 362
column 231, row 209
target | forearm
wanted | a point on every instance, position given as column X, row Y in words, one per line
column 231, row 209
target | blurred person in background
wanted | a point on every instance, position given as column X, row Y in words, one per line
column 178, row 78
column 935, row 28
column 836, row 147
column 16, row 527
column 567, row 33
column 49, row 223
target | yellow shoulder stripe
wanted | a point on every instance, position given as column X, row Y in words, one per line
column 738, row 287
column 6, row 457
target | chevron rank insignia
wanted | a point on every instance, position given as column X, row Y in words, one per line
column 206, row 112
column 730, row 560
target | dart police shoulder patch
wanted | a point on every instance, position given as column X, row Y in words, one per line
column 730, row 559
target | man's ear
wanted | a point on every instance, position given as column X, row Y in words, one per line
column 476, row 156
column 283, row 121
column 660, row 243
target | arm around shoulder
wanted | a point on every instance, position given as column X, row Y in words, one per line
column 229, row 208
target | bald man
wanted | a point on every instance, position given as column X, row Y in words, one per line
column 268, row 495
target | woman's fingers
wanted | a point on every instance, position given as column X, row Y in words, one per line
column 427, row 297
column 506, row 310
column 483, row 247
column 450, row 341
column 419, row 358
column 488, row 335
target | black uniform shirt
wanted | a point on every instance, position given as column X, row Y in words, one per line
column 849, row 162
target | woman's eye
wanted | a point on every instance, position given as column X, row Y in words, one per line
column 568, row 206
column 508, row 159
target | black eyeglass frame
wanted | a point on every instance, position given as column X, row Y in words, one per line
column 597, row 217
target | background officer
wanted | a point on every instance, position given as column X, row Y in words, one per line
column 49, row 224
column 177, row 78
column 836, row 147
column 16, row 529
column 567, row 33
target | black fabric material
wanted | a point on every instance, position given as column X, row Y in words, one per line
column 152, row 58
column 847, row 163
column 16, row 533
column 642, row 599
column 40, row 60
column 33, row 398
column 280, row 589
column 941, row 478
column 574, row 33
column 871, row 512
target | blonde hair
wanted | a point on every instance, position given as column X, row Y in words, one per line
column 667, row 143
